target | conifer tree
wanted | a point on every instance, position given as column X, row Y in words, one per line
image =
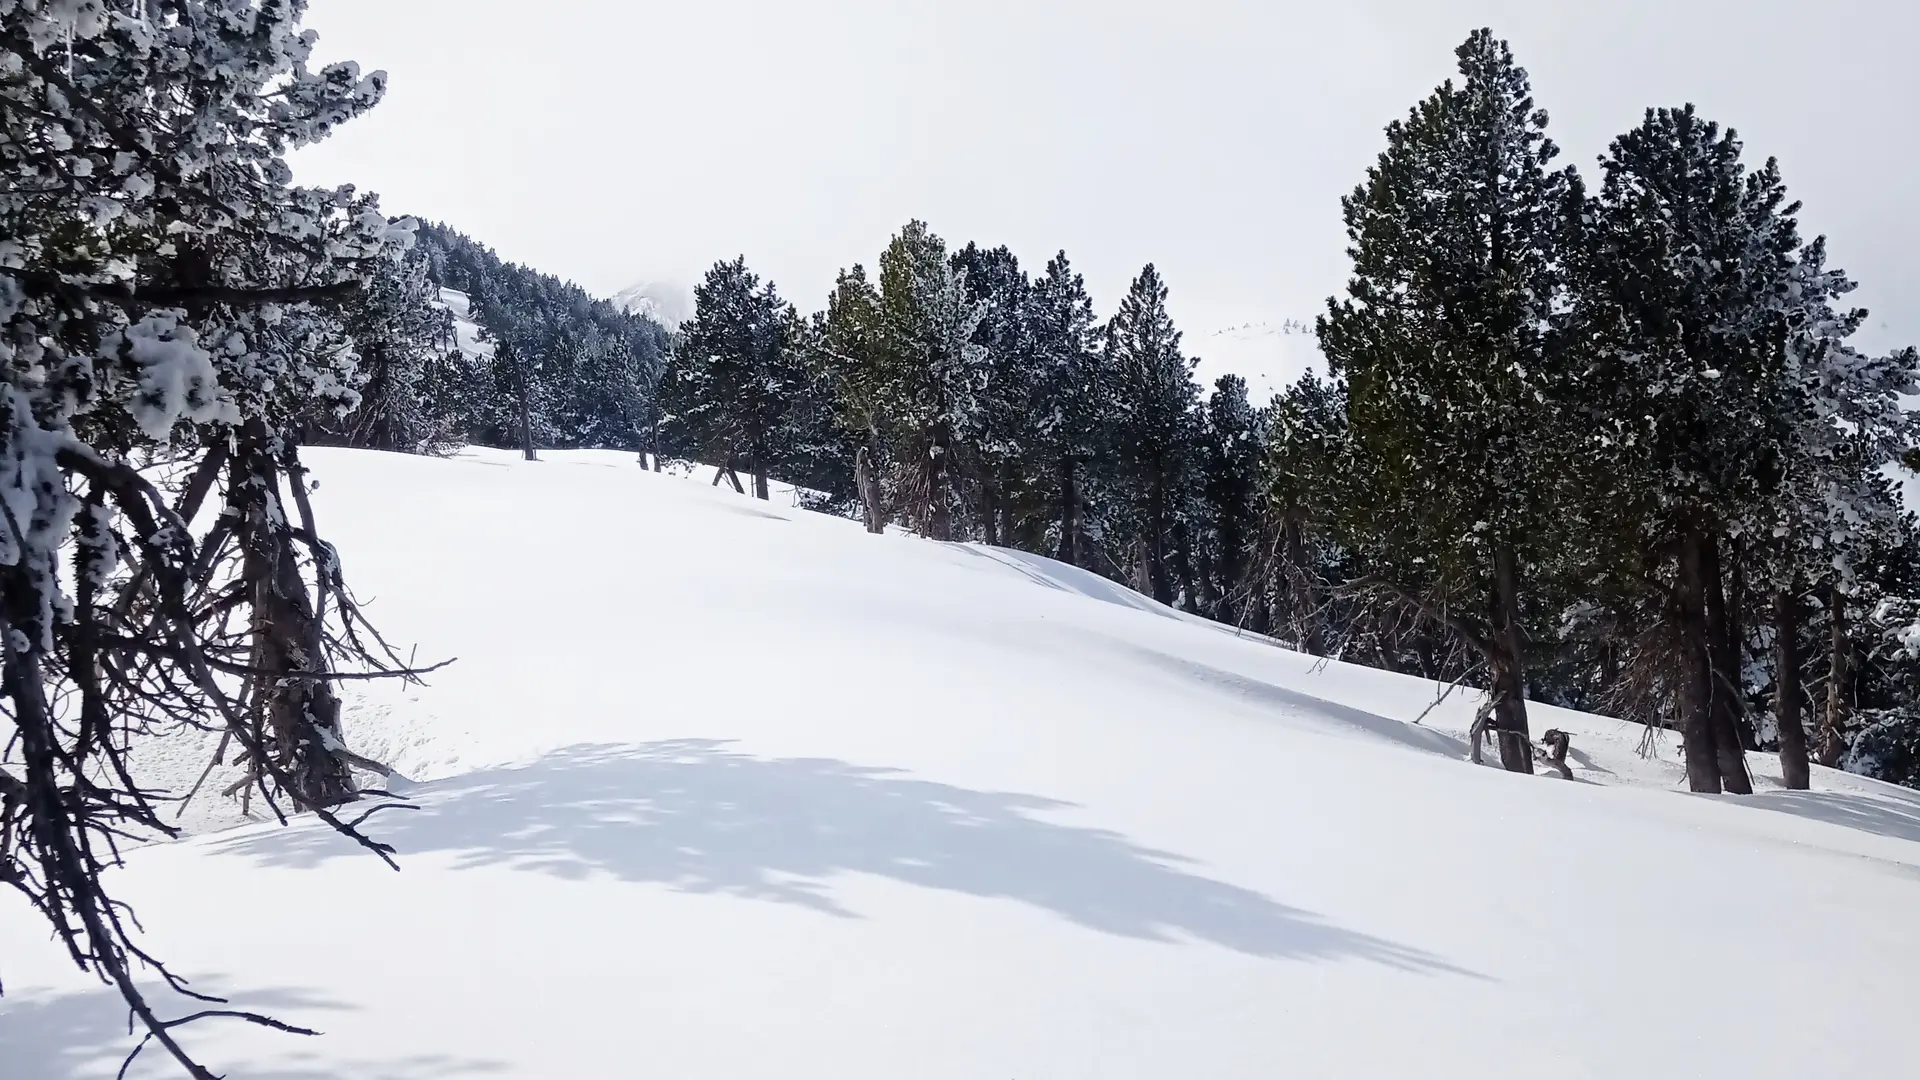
column 1442, row 343
column 1685, row 395
column 409, row 392
column 843, row 353
column 735, row 372
column 998, row 441
column 1152, row 431
column 935, row 376
column 1305, row 483
column 166, row 293
column 1071, row 400
column 1231, row 456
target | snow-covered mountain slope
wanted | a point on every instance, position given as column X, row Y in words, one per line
column 667, row 303
column 466, row 332
column 1270, row 355
column 720, row 788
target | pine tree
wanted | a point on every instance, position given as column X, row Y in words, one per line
column 1071, row 402
column 1685, row 393
column 1304, row 481
column 1231, row 457
column 408, row 384
column 166, row 293
column 1152, row 432
column 735, row 372
column 998, row 440
column 935, row 376
column 843, row 353
column 1442, row 343
column 1836, row 512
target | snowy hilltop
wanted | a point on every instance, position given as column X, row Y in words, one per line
column 668, row 303
column 1269, row 355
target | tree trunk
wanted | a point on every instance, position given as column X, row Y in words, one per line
column 1009, row 522
column 1723, row 651
column 1161, row 588
column 653, row 437
column 1142, row 568
column 760, row 483
column 1794, row 766
column 1070, row 546
column 1306, row 598
column 526, row 411
column 1833, row 728
column 939, row 502
column 301, row 716
column 1694, row 666
column 1507, row 665
column 869, row 488
column 990, row 512
column 1212, row 604
column 1182, row 572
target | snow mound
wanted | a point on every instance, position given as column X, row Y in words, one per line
column 724, row 788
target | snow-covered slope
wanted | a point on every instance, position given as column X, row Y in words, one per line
column 721, row 788
column 666, row 302
column 466, row 332
column 1270, row 355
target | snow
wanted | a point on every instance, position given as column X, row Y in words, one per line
column 722, row 788
column 668, row 303
column 466, row 332
column 1270, row 355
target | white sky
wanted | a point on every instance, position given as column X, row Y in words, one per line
column 616, row 141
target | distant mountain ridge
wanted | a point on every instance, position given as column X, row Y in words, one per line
column 668, row 303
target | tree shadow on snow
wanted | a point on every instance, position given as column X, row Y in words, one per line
column 1894, row 814
column 698, row 817
column 83, row 1036
column 1296, row 701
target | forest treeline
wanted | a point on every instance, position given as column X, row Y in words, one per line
column 1606, row 446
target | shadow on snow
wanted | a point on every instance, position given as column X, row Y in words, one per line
column 698, row 817
column 83, row 1036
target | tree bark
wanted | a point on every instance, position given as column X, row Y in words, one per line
column 1507, row 666
column 526, row 411
column 759, row 483
column 1694, row 666
column 302, row 716
column 653, row 437
column 1794, row 763
column 1833, row 728
column 1070, row 546
column 1160, row 588
column 990, row 511
column 1306, row 598
column 1723, row 651
column 939, row 504
column 869, row 488
column 1182, row 572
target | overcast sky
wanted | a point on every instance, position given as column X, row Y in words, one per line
column 619, row 141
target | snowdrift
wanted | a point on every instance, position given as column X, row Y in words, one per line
column 721, row 788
